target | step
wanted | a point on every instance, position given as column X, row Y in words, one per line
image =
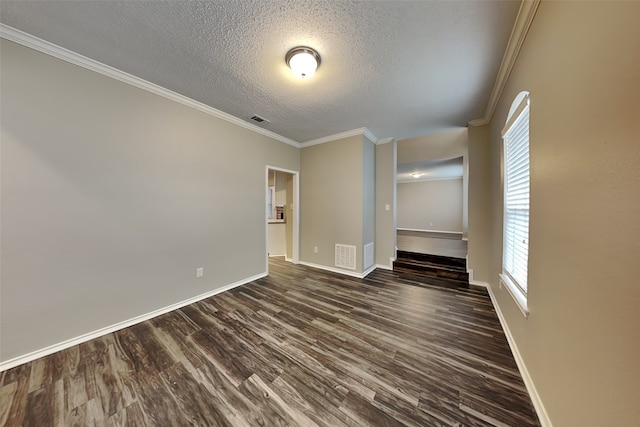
column 414, row 277
column 430, row 269
column 434, row 259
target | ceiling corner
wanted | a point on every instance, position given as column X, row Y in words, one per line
column 524, row 19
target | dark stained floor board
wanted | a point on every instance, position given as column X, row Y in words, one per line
column 301, row 347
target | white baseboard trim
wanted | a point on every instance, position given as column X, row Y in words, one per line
column 12, row 363
column 368, row 271
column 478, row 283
column 339, row 271
column 429, row 231
column 528, row 382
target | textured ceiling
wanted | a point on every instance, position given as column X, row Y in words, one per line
column 399, row 68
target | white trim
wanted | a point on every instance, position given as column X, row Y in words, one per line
column 520, row 102
column 521, row 27
column 59, row 52
column 429, row 231
column 354, row 132
column 44, row 46
column 16, row 361
column 528, row 382
column 369, row 135
column 518, row 297
column 368, row 271
column 339, row 271
column 426, row 178
column 295, row 241
column 384, row 141
column 384, row 267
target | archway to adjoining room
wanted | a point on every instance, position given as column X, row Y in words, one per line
column 282, row 214
column 432, row 191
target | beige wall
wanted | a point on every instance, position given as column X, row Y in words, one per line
column 368, row 198
column 385, row 195
column 480, row 203
column 581, row 341
column 331, row 200
column 112, row 197
column 442, row 145
column 434, row 205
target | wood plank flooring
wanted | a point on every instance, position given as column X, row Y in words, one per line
column 301, row 347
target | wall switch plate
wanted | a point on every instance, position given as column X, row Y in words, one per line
column 315, row 249
column 199, row 272
column 387, row 207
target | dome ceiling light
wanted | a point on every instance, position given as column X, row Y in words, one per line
column 303, row 61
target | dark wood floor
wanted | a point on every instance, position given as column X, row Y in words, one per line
column 301, row 347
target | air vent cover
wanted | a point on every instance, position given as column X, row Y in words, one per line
column 346, row 256
column 256, row 118
column 368, row 255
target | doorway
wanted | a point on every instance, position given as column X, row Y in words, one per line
column 282, row 214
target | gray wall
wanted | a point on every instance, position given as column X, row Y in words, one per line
column 368, row 197
column 430, row 205
column 331, row 200
column 112, row 197
column 385, row 195
column 580, row 342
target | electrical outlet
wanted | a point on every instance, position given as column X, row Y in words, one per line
column 199, row 272
column 315, row 249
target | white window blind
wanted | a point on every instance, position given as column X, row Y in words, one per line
column 516, row 197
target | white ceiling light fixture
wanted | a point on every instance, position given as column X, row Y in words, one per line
column 416, row 174
column 303, row 61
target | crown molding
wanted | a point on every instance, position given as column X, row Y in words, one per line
column 478, row 122
column 369, row 135
column 360, row 131
column 525, row 16
column 56, row 51
column 384, row 141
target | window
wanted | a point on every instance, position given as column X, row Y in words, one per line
column 515, row 255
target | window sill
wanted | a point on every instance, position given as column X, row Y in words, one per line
column 516, row 294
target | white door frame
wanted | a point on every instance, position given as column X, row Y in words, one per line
column 296, row 214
